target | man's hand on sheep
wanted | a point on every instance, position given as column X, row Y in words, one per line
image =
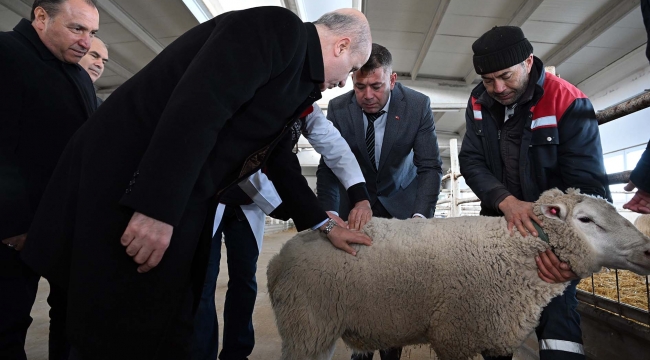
column 552, row 270
column 519, row 213
column 359, row 215
column 339, row 222
column 341, row 238
column 640, row 202
column 146, row 240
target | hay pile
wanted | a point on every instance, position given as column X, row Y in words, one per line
column 632, row 287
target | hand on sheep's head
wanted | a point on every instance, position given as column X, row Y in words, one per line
column 341, row 238
column 520, row 214
column 552, row 270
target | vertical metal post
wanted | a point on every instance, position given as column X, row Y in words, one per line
column 454, row 208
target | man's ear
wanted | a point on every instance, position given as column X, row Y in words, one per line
column 342, row 45
column 40, row 17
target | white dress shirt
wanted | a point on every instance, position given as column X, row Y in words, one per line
column 327, row 141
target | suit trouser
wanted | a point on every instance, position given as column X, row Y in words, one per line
column 378, row 210
column 558, row 332
column 18, row 284
column 238, row 333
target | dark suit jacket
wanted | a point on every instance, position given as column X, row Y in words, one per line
column 43, row 101
column 201, row 116
column 410, row 168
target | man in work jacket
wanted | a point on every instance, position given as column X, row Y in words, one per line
column 529, row 131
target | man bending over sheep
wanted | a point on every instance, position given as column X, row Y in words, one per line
column 529, row 131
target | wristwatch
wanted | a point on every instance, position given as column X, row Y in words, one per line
column 329, row 225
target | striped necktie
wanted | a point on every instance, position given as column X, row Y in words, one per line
column 370, row 135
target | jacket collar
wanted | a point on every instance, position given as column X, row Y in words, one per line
column 26, row 29
column 314, row 60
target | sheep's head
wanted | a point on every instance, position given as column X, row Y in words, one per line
column 588, row 233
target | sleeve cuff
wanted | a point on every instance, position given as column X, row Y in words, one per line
column 358, row 192
column 319, row 224
column 499, row 195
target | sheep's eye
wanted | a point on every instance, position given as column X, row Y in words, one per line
column 584, row 219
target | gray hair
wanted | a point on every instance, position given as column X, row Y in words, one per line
column 347, row 25
column 51, row 7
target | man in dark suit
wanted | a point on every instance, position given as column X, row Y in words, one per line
column 44, row 98
column 126, row 221
column 94, row 61
column 390, row 130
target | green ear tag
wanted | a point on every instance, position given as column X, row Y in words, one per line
column 541, row 233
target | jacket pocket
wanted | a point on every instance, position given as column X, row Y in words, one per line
column 545, row 136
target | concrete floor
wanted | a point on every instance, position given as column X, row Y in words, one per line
column 266, row 336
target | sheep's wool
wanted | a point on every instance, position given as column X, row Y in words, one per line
column 463, row 285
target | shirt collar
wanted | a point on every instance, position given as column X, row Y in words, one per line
column 314, row 55
column 26, row 29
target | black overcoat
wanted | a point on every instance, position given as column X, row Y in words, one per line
column 204, row 113
column 43, row 101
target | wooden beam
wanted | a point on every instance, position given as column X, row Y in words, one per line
column 130, row 24
column 614, row 11
column 426, row 44
column 525, row 11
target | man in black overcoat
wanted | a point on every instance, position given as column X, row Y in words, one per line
column 44, row 98
column 126, row 221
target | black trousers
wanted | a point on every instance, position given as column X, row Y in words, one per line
column 18, row 284
column 378, row 210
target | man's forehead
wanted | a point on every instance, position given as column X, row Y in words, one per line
column 499, row 73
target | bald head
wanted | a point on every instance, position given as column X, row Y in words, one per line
column 348, row 23
column 95, row 59
column 345, row 42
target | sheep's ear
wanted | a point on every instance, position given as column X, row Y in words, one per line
column 554, row 211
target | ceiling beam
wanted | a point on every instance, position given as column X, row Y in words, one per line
column 130, row 24
column 118, row 69
column 437, row 116
column 17, row 7
column 614, row 11
column 525, row 11
column 426, row 44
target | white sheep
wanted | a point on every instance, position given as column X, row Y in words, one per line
column 643, row 224
column 462, row 285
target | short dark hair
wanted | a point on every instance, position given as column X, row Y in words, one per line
column 379, row 57
column 51, row 7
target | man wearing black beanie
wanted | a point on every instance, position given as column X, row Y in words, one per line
column 529, row 131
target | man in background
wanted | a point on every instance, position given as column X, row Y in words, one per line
column 45, row 96
column 94, row 61
column 391, row 132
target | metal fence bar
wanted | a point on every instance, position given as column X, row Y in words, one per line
column 634, row 104
column 621, row 309
column 619, row 178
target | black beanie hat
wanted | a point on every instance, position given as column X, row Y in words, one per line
column 500, row 48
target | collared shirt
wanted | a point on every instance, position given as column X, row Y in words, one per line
column 380, row 127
